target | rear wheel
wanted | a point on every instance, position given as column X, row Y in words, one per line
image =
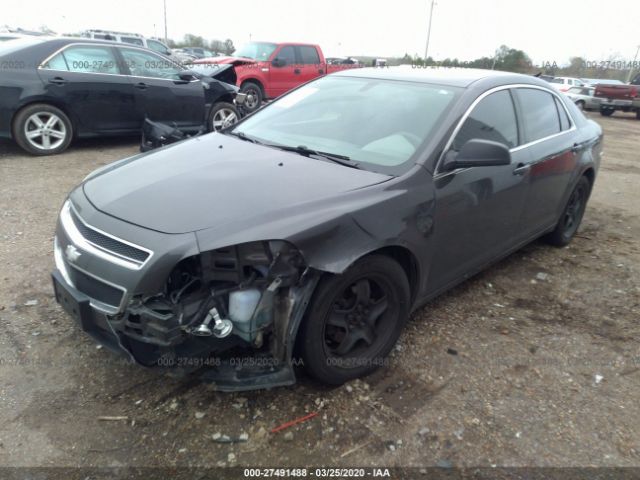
column 254, row 96
column 354, row 320
column 572, row 215
column 42, row 129
column 222, row 115
column 606, row 112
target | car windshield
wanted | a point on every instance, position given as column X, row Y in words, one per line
column 376, row 124
column 257, row 51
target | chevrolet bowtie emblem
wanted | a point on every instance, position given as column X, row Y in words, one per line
column 72, row 253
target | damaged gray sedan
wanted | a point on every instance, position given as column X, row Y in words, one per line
column 308, row 232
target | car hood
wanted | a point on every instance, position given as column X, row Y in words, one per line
column 215, row 179
column 226, row 60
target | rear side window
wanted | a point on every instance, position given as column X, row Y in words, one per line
column 494, row 118
column 539, row 113
column 309, row 55
column 84, row 59
column 565, row 124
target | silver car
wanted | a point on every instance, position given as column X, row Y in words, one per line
column 583, row 97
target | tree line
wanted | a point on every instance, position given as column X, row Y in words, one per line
column 225, row 47
column 513, row 60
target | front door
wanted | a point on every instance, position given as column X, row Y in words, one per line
column 285, row 71
column 478, row 208
column 161, row 95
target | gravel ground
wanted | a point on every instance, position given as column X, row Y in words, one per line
column 534, row 362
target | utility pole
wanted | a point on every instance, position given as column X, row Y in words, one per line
column 634, row 61
column 426, row 49
column 165, row 21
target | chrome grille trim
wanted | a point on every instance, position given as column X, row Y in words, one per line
column 69, row 218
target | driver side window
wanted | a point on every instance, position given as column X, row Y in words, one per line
column 147, row 64
column 288, row 54
column 493, row 118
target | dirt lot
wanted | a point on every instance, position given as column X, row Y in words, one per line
column 533, row 363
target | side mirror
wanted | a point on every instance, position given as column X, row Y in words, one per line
column 478, row 153
column 187, row 75
column 278, row 62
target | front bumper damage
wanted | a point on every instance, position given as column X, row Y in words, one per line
column 165, row 305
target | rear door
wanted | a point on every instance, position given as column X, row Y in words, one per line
column 88, row 81
column 161, row 95
column 284, row 72
column 478, row 209
column 309, row 63
column 549, row 138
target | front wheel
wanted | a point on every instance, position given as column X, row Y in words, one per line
column 572, row 215
column 222, row 115
column 42, row 129
column 354, row 320
column 254, row 96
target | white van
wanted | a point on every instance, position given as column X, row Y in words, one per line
column 132, row 38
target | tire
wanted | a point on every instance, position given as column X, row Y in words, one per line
column 255, row 96
column 606, row 112
column 221, row 116
column 55, row 128
column 571, row 215
column 580, row 104
column 354, row 320
column 638, row 114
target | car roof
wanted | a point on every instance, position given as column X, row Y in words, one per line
column 455, row 77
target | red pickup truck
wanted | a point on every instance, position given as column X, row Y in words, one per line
column 267, row 70
column 619, row 97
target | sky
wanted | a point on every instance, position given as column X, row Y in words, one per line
column 547, row 30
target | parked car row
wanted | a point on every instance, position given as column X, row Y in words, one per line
column 54, row 90
column 606, row 95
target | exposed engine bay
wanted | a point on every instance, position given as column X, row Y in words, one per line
column 243, row 299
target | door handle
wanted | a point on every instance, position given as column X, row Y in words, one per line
column 141, row 85
column 58, row 81
column 320, row 71
column 521, row 169
column 297, row 71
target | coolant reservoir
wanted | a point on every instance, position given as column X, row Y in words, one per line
column 242, row 304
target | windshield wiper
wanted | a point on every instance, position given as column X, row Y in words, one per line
column 334, row 157
column 243, row 136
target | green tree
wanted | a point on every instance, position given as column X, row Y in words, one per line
column 228, row 47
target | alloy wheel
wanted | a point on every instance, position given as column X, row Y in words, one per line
column 45, row 130
column 224, row 118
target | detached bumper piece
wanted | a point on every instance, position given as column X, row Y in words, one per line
column 78, row 306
